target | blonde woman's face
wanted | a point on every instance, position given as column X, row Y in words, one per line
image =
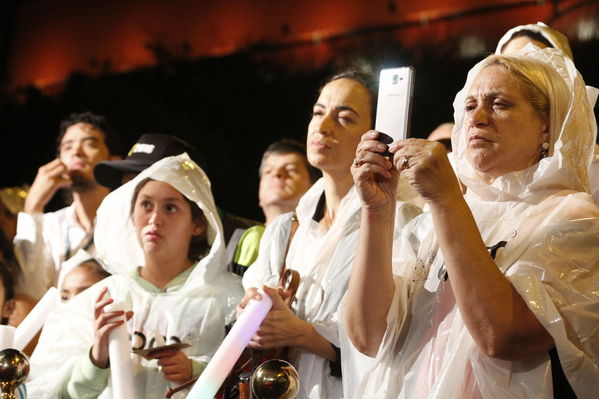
column 503, row 132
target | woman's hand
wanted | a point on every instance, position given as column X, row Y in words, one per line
column 104, row 323
column 173, row 363
column 280, row 327
column 374, row 176
column 426, row 166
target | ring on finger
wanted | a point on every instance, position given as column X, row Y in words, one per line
column 405, row 163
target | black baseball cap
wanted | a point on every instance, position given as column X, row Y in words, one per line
column 148, row 149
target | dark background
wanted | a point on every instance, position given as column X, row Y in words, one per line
column 232, row 106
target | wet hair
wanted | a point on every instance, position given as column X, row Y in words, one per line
column 98, row 122
column 290, row 146
column 529, row 34
column 363, row 78
column 198, row 246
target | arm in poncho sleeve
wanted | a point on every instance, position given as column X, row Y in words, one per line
column 86, row 381
column 34, row 255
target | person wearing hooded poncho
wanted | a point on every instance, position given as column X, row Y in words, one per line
column 487, row 294
column 517, row 37
column 164, row 219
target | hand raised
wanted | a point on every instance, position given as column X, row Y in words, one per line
column 49, row 178
column 426, row 166
column 104, row 323
column 374, row 176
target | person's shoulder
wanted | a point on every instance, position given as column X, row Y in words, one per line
column 571, row 205
column 253, row 234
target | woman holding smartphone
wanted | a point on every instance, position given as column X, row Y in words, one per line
column 323, row 246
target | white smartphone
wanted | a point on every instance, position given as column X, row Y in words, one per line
column 394, row 106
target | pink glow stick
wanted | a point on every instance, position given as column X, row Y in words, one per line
column 229, row 351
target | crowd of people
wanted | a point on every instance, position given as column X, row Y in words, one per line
column 461, row 266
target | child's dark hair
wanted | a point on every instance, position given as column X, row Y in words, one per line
column 198, row 246
column 95, row 268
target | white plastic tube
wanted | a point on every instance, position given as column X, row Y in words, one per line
column 229, row 351
column 119, row 353
column 35, row 319
column 7, row 337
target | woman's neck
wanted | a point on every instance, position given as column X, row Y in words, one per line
column 161, row 270
column 335, row 188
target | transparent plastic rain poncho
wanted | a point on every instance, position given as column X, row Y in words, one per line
column 195, row 314
column 323, row 259
column 551, row 227
column 559, row 41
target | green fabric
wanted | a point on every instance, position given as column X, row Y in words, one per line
column 173, row 285
column 248, row 246
column 87, row 380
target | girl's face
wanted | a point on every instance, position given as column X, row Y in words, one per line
column 78, row 280
column 163, row 220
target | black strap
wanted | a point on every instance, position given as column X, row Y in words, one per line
column 561, row 387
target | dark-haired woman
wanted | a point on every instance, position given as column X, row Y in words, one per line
column 323, row 246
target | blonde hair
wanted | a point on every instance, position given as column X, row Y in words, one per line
column 540, row 84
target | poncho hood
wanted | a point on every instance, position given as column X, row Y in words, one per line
column 572, row 135
column 556, row 38
column 115, row 238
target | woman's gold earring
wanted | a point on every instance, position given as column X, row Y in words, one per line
column 544, row 150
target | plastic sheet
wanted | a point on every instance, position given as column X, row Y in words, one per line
column 196, row 313
column 550, row 225
column 34, row 321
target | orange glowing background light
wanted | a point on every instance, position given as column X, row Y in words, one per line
column 53, row 38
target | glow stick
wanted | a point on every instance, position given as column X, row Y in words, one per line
column 119, row 349
column 229, row 351
column 35, row 319
column 7, row 337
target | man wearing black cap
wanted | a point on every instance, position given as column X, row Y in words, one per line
column 152, row 147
